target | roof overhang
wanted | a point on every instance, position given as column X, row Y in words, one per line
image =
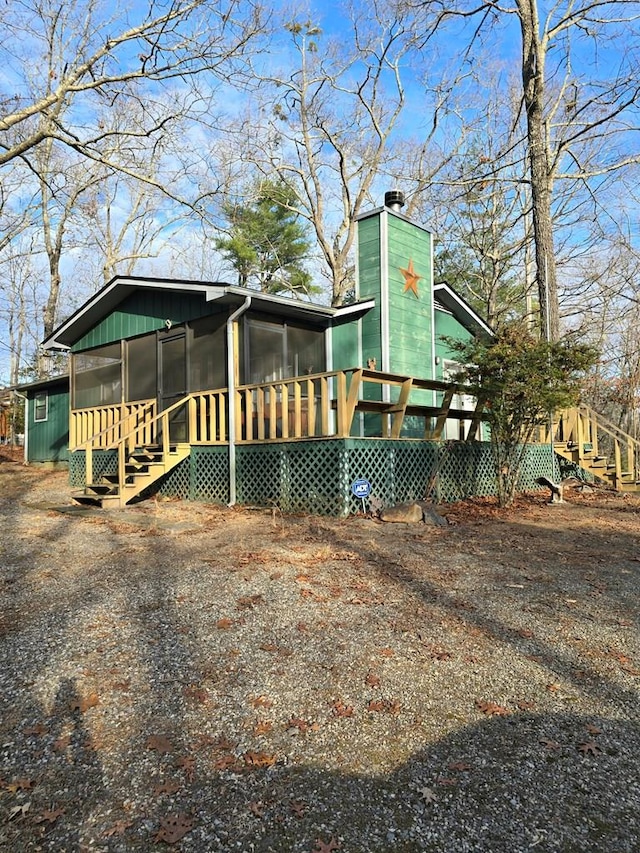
column 108, row 298
column 42, row 384
column 461, row 310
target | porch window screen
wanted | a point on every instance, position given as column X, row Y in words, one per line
column 281, row 351
column 97, row 377
column 142, row 368
column 41, row 406
column 207, row 357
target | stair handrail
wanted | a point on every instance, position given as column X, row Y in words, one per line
column 599, row 423
column 609, row 427
column 122, row 443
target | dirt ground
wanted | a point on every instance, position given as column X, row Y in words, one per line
column 236, row 679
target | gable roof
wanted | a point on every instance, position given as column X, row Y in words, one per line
column 461, row 310
column 119, row 288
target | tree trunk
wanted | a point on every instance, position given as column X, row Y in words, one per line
column 533, row 85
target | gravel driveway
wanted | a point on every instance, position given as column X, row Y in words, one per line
column 188, row 677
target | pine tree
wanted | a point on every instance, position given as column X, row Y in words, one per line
column 267, row 243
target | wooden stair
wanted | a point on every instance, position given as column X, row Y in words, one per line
column 143, row 467
column 599, row 448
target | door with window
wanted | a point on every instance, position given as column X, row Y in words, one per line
column 172, row 382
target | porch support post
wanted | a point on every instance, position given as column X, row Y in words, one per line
column 231, row 401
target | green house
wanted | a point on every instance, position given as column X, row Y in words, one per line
column 214, row 392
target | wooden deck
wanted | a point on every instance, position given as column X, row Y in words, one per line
column 321, row 405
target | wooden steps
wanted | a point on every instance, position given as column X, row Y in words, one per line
column 143, row 468
column 599, row 448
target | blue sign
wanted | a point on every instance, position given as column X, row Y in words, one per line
column 361, row 488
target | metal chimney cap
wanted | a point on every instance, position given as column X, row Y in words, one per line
column 394, row 200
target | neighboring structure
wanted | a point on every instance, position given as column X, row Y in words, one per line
column 46, row 421
column 211, row 391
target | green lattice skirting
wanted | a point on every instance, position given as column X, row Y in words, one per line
column 316, row 476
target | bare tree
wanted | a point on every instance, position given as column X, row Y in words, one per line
column 326, row 125
column 579, row 114
column 66, row 60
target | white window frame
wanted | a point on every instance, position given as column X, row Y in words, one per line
column 37, row 405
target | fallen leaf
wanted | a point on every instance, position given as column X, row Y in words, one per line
column 258, row 759
column 49, row 816
column 298, row 808
column 225, row 762
column 384, row 706
column 491, row 709
column 248, row 602
column 262, row 727
column 83, row 703
column 223, row 743
column 257, row 808
column 549, row 744
column 372, row 680
column 339, row 709
column 20, row 785
column 428, row 795
column 19, row 810
column 326, row 846
column 166, row 788
column 118, row 828
column 188, row 765
column 201, row 741
column 224, row 623
column 261, row 702
column 173, row 828
column 302, row 725
column 593, row 730
column 525, row 705
column 589, row 748
column 62, row 743
column 459, row 766
column 38, row 729
column 159, row 742
column 195, row 694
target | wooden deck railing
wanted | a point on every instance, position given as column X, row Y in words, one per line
column 312, row 406
column 205, row 422
column 325, row 405
column 105, row 425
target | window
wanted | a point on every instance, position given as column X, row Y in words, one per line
column 281, row 351
column 97, row 377
column 41, row 406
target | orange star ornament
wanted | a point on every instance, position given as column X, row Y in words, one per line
column 411, row 278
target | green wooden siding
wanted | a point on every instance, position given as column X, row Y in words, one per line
column 344, row 345
column 369, row 276
column 144, row 312
column 410, row 332
column 405, row 323
column 447, row 326
column 48, row 441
